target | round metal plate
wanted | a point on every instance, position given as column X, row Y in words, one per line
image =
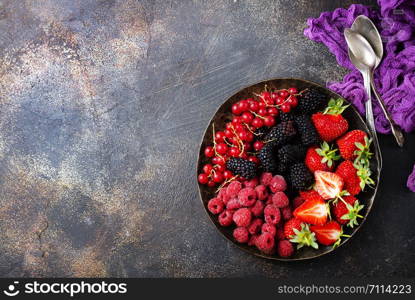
column 223, row 115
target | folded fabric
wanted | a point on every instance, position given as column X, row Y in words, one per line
column 395, row 76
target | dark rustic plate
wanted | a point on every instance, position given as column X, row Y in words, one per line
column 223, row 114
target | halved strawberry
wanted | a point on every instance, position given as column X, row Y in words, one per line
column 329, row 185
column 310, row 195
column 312, row 211
column 329, row 233
column 331, row 124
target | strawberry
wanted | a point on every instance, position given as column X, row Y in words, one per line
column 304, row 237
column 329, row 185
column 330, row 124
column 329, row 233
column 355, row 145
column 346, row 210
column 289, row 227
column 310, row 195
column 321, row 158
column 312, row 211
column 355, row 176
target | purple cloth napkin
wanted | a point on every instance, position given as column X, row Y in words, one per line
column 395, row 76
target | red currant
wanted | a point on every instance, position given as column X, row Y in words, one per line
column 244, row 155
column 218, row 160
column 236, row 120
column 279, row 101
column 219, row 136
column 250, row 100
column 273, row 111
column 220, row 168
column 249, row 136
column 292, row 101
column 258, row 145
column 227, row 174
column 235, row 109
column 292, row 90
column 283, row 94
column 266, row 97
column 247, row 117
column 261, row 104
column 207, row 168
column 209, row 151
column 257, row 122
column 229, row 126
column 247, row 146
column 233, row 151
column 243, row 106
column 254, row 159
column 274, row 96
column 285, row 108
column 202, row 178
column 254, row 106
column 228, row 133
column 217, row 177
column 243, row 135
column 269, row 121
column 262, row 112
column 221, row 148
column 211, row 183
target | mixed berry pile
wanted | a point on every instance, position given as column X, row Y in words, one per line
column 287, row 171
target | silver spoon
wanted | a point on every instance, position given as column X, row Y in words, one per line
column 363, row 58
column 364, row 26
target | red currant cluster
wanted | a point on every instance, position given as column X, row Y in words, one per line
column 238, row 137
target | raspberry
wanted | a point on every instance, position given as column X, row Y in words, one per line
column 262, row 192
column 278, row 184
column 265, row 242
column 285, row 248
column 266, row 227
column 272, row 214
column 297, row 202
column 225, row 218
column 233, row 204
column 241, row 234
column 223, row 196
column 280, row 199
column 286, row 213
column 280, row 234
column 215, row 206
column 258, row 208
column 251, row 183
column 255, row 226
column 247, row 197
column 233, row 189
column 266, row 178
column 242, row 217
column 252, row 240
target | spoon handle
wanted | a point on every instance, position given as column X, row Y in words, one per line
column 369, row 115
column 396, row 131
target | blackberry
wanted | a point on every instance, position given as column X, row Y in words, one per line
column 267, row 157
column 242, row 167
column 300, row 177
column 261, row 132
column 290, row 154
column 306, row 130
column 281, row 133
column 284, row 117
column 311, row 101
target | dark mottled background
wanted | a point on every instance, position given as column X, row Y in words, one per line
column 102, row 107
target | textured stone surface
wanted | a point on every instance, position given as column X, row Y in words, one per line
column 102, row 107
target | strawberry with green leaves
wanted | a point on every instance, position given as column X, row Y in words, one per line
column 321, row 158
column 328, row 234
column 304, row 237
column 347, row 209
column 355, row 145
column 310, row 195
column 330, row 124
column 355, row 176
